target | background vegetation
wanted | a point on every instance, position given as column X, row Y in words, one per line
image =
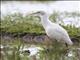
column 17, row 23
column 23, row 24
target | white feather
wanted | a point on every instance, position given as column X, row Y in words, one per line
column 53, row 30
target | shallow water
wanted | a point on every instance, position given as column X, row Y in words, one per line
column 26, row 6
column 10, row 7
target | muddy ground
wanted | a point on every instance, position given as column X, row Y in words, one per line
column 32, row 37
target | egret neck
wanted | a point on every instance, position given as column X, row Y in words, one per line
column 45, row 21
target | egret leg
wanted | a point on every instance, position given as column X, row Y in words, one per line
column 66, row 44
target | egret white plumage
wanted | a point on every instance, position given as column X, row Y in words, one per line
column 53, row 30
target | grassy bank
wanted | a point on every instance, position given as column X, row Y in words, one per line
column 28, row 24
column 18, row 25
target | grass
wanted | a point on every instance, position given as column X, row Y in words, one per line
column 17, row 23
column 57, row 51
column 22, row 24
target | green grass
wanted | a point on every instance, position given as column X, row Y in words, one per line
column 17, row 23
column 24, row 24
column 56, row 52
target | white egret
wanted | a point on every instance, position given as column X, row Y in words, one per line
column 53, row 30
